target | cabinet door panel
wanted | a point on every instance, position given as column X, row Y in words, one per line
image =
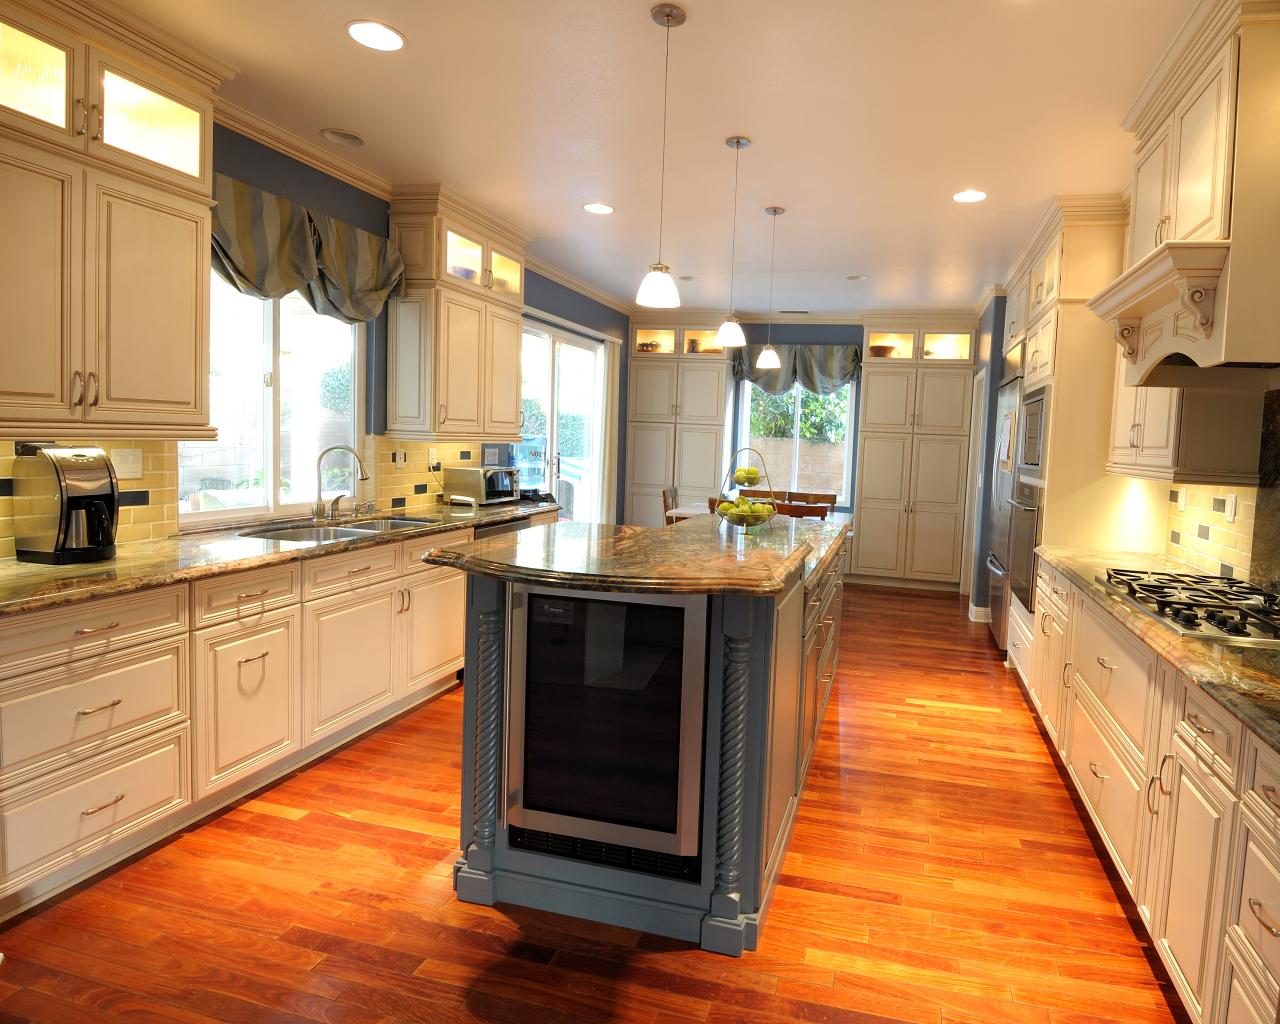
column 435, row 623
column 40, row 284
column 653, row 390
column 1124, row 416
column 933, row 545
column 248, row 683
column 1105, row 783
column 41, row 91
column 1150, row 196
column 644, row 508
column 937, row 472
column 883, row 464
column 349, row 659
column 943, row 401
column 502, row 372
column 698, row 456
column 881, row 532
column 1203, row 122
column 650, row 454
column 146, row 292
column 462, row 330
column 409, row 362
column 888, row 398
column 1158, row 427
column 700, row 395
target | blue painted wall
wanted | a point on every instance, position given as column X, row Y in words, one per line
column 990, row 333
column 549, row 296
column 265, row 168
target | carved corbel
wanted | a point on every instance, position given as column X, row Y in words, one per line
column 1197, row 302
column 1125, row 330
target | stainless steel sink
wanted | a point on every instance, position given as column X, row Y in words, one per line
column 311, row 534
column 388, row 525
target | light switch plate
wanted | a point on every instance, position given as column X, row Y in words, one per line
column 1182, row 499
column 432, row 456
column 1231, row 508
column 128, row 463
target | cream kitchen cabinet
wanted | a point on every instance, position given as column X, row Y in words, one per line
column 1042, row 284
column 652, row 390
column 1149, row 217
column 248, row 696
column 433, row 624
column 1015, row 313
column 1038, row 351
column 112, row 270
column 888, row 399
column 700, row 392
column 1048, row 684
column 942, row 401
column 453, row 367
column 470, row 260
column 691, row 388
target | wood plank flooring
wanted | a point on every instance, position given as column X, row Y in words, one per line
column 939, row 873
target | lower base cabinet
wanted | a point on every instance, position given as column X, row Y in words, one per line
column 435, row 628
column 349, row 657
column 248, row 679
column 1242, row 1002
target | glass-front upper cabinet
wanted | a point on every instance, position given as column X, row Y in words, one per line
column 890, row 345
column 137, row 121
column 947, row 347
column 506, row 275
column 702, row 343
column 40, row 72
column 463, row 257
column 469, row 259
column 655, row 342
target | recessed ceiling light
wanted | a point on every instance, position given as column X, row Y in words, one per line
column 341, row 136
column 970, row 195
column 687, row 277
column 375, row 35
column 602, row 209
column 856, row 277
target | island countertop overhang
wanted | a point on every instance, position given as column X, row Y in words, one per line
column 698, row 556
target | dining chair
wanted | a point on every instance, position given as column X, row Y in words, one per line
column 801, row 511
column 762, row 492
column 668, row 504
column 813, row 498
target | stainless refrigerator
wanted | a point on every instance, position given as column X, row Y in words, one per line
column 1000, row 497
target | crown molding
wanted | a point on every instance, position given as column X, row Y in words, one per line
column 134, row 34
column 246, row 123
column 892, row 319
column 989, row 294
column 551, row 273
column 1091, row 210
column 438, row 198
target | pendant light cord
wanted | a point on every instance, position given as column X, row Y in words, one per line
column 662, row 179
column 773, row 250
column 733, row 237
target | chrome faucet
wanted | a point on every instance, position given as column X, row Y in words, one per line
column 319, row 510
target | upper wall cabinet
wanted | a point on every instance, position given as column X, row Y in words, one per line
column 63, row 86
column 686, row 342
column 104, row 176
column 927, row 345
column 445, row 239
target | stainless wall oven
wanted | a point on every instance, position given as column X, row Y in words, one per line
column 605, row 707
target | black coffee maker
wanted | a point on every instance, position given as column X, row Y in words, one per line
column 65, row 505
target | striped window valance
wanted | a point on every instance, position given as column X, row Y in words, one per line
column 821, row 369
column 268, row 246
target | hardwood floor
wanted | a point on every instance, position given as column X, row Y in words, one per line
column 939, row 873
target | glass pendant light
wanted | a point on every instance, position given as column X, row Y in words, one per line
column 768, row 358
column 658, row 289
column 730, row 334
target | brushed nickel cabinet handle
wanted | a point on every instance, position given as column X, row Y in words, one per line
column 1194, row 719
column 1255, row 907
column 363, row 568
column 90, row 630
column 1133, row 430
column 83, row 128
column 1058, row 593
column 408, row 599
column 255, row 593
column 86, row 712
column 97, row 122
column 1160, row 773
column 1096, row 768
column 400, row 598
column 1018, row 644
column 1066, row 674
column 97, row 389
column 1108, row 665
column 256, row 657
column 102, row 807
column 77, row 385
column 1272, row 797
column 1151, row 783
column 1044, row 623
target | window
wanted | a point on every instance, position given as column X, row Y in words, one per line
column 804, row 438
column 283, row 385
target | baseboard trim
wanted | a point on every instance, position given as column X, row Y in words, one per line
column 901, row 584
column 979, row 614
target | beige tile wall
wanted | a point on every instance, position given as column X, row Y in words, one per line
column 1227, row 543
column 155, row 520
column 412, row 481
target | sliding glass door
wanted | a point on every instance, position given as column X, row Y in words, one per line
column 562, row 399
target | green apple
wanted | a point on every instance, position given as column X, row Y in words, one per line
column 725, row 506
column 753, row 475
column 739, row 476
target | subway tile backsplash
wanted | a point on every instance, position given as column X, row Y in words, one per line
column 1200, row 536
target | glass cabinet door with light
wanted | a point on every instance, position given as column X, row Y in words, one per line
column 701, row 343
column 41, row 81
column 891, row 345
column 506, row 276
column 463, row 257
column 654, row 342
column 946, row 346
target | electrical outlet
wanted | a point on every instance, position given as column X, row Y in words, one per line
column 432, row 455
column 128, row 463
column 1182, row 499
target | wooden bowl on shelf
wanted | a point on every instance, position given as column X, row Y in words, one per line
column 882, row 351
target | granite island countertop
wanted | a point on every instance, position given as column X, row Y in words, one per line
column 28, row 586
column 700, row 555
column 1244, row 680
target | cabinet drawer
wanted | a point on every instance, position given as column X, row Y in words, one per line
column 1118, row 671
column 1258, row 911
column 417, row 547
column 545, row 519
column 1210, row 731
column 1060, row 594
column 1241, row 1002
column 1265, row 781
column 226, row 598
column 45, row 639
column 1020, row 648
column 338, row 573
column 57, row 713
column 46, row 826
column 1106, row 786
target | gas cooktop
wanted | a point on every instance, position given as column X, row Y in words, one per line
column 1214, row 608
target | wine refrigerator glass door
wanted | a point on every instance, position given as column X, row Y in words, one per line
column 605, row 715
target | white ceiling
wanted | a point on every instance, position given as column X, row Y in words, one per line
column 866, row 115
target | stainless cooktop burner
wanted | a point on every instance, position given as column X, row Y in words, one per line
column 1210, row 607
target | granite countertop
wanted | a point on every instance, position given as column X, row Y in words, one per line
column 1244, row 680
column 700, row 555
column 27, row 586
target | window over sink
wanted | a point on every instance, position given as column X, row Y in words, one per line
column 283, row 385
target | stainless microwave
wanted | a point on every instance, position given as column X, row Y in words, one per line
column 1035, row 432
column 481, row 485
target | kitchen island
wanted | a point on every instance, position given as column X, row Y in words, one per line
column 640, row 709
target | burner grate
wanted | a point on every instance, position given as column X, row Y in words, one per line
column 1211, row 607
